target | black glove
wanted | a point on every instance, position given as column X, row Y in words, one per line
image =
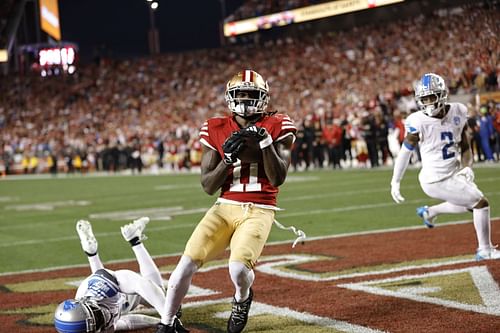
column 259, row 133
column 232, row 147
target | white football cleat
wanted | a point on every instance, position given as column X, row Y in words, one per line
column 87, row 238
column 135, row 229
column 487, row 254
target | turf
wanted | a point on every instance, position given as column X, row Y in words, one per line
column 38, row 215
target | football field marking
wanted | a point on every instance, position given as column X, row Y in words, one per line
column 485, row 283
column 125, row 260
column 272, row 268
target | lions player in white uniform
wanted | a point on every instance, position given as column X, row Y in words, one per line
column 104, row 299
column 439, row 128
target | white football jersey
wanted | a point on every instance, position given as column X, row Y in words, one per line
column 439, row 139
column 103, row 288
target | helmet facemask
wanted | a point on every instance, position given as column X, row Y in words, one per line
column 247, row 94
column 431, row 94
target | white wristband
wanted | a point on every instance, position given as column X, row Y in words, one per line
column 264, row 143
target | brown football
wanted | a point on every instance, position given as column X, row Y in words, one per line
column 251, row 152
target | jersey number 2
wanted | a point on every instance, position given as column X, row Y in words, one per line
column 447, row 136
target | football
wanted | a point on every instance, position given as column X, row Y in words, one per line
column 251, row 152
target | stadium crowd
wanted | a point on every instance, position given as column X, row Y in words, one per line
column 348, row 91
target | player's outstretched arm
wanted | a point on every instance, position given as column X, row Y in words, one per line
column 401, row 164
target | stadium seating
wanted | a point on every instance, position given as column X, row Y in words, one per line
column 110, row 109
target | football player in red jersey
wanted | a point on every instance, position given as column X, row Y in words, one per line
column 243, row 214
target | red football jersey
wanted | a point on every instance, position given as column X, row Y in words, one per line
column 246, row 182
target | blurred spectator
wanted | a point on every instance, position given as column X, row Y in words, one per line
column 160, row 101
column 332, row 135
column 486, row 132
column 496, row 125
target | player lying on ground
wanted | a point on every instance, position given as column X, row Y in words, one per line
column 104, row 299
column 439, row 129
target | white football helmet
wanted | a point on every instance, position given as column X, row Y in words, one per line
column 431, row 94
column 79, row 316
column 247, row 94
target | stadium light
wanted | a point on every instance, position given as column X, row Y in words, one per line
column 153, row 34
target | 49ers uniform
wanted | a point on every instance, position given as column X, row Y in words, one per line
column 243, row 215
column 246, row 182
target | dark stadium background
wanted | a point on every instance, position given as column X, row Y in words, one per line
column 119, row 28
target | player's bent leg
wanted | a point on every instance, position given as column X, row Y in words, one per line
column 211, row 236
column 178, row 286
column 242, row 278
column 147, row 266
column 135, row 322
column 134, row 234
column 89, row 244
column 246, row 247
column 250, row 236
column 131, row 282
column 456, row 192
column 482, row 224
column 429, row 214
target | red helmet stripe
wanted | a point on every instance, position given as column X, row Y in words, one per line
column 248, row 76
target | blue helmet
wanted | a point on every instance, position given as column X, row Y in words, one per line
column 78, row 316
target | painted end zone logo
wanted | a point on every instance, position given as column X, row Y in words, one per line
column 421, row 280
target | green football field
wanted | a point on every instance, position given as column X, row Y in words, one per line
column 38, row 214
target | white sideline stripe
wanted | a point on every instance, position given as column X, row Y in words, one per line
column 168, row 255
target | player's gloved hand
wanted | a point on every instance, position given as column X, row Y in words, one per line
column 396, row 195
column 467, row 173
column 260, row 133
column 231, row 148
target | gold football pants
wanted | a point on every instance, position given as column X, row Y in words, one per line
column 244, row 228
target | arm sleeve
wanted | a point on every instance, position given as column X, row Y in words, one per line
column 402, row 161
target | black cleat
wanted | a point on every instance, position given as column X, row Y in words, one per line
column 239, row 314
column 176, row 327
column 162, row 328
